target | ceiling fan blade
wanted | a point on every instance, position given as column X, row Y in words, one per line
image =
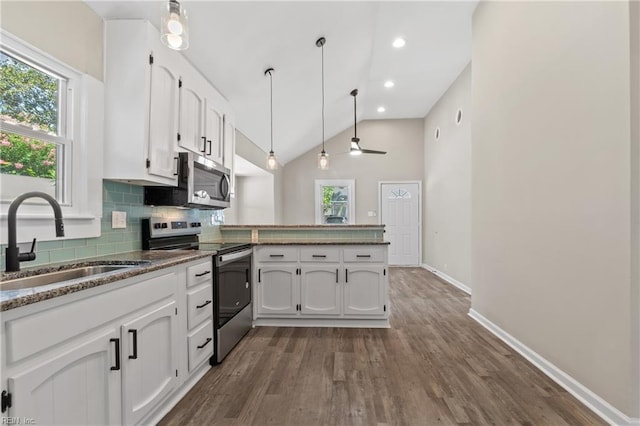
column 372, row 151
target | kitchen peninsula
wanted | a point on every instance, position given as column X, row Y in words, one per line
column 316, row 275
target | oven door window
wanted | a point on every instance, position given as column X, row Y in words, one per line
column 234, row 289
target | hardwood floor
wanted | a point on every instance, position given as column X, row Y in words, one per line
column 435, row 365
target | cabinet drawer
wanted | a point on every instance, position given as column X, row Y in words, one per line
column 319, row 254
column 364, row 254
column 199, row 305
column 277, row 254
column 200, row 345
column 200, row 273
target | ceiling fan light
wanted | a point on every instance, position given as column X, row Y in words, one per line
column 174, row 25
column 355, row 151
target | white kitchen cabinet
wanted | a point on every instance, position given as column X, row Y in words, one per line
column 365, row 289
column 119, row 364
column 229, row 135
column 321, row 285
column 199, row 306
column 321, row 292
column 278, row 289
column 141, row 105
column 149, row 371
column 201, row 118
column 80, row 385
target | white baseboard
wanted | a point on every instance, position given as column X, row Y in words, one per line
column 595, row 403
column 447, row 278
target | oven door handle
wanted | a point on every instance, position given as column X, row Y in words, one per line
column 226, row 258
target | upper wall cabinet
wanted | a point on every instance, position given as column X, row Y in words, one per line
column 141, row 105
column 201, row 115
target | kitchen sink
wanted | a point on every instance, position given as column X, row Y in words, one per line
column 61, row 276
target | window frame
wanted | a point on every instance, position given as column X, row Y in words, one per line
column 350, row 183
column 82, row 124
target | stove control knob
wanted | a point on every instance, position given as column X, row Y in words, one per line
column 164, row 225
column 156, row 226
column 194, row 224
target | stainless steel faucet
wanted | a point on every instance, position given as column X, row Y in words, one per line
column 14, row 257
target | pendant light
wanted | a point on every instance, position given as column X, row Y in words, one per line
column 272, row 163
column 175, row 30
column 323, row 157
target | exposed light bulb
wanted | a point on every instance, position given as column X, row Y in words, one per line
column 272, row 163
column 381, row 109
column 174, row 25
column 323, row 161
column 389, row 84
column 174, row 41
column 355, row 151
column 399, row 42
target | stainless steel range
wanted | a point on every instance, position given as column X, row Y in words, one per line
column 231, row 284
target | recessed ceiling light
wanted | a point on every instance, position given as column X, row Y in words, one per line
column 399, row 42
column 381, row 109
column 389, row 84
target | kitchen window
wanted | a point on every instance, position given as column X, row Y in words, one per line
column 34, row 144
column 51, row 132
column 334, row 201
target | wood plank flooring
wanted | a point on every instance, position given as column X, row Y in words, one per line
column 435, row 365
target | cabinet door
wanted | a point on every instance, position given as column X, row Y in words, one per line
column 364, row 290
column 78, row 386
column 320, row 290
column 278, row 290
column 192, row 135
column 213, row 130
column 149, row 361
column 163, row 117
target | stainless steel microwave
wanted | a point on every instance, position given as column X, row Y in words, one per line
column 202, row 184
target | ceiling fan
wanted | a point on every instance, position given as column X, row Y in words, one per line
column 355, row 140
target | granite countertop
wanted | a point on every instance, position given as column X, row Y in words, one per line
column 143, row 261
column 305, row 242
column 336, row 226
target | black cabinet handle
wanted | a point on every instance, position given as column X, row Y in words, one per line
column 203, row 274
column 346, row 275
column 135, row 344
column 363, row 255
column 204, row 144
column 336, row 275
column 203, row 305
column 319, row 255
column 259, row 276
column 117, row 342
column 276, row 255
column 209, row 142
column 205, row 343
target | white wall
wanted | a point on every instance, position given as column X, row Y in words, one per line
column 403, row 141
column 255, row 200
column 68, row 30
column 551, row 170
column 446, row 235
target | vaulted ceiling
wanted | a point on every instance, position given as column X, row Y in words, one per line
column 232, row 43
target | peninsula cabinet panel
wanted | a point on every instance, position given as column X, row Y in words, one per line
column 321, row 290
column 278, row 290
column 365, row 290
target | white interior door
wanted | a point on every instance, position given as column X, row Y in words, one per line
column 400, row 212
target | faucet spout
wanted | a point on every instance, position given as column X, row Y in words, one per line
column 14, row 257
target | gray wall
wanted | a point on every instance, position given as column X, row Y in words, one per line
column 68, row 30
column 446, row 217
column 403, row 141
column 551, row 170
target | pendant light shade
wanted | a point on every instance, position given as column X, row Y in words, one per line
column 323, row 157
column 272, row 162
column 175, row 30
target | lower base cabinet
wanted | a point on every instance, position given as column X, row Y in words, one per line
column 323, row 282
column 110, row 357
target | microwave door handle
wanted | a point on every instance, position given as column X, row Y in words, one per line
column 224, row 186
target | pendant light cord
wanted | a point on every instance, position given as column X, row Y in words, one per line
column 271, row 104
column 355, row 119
column 322, row 47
